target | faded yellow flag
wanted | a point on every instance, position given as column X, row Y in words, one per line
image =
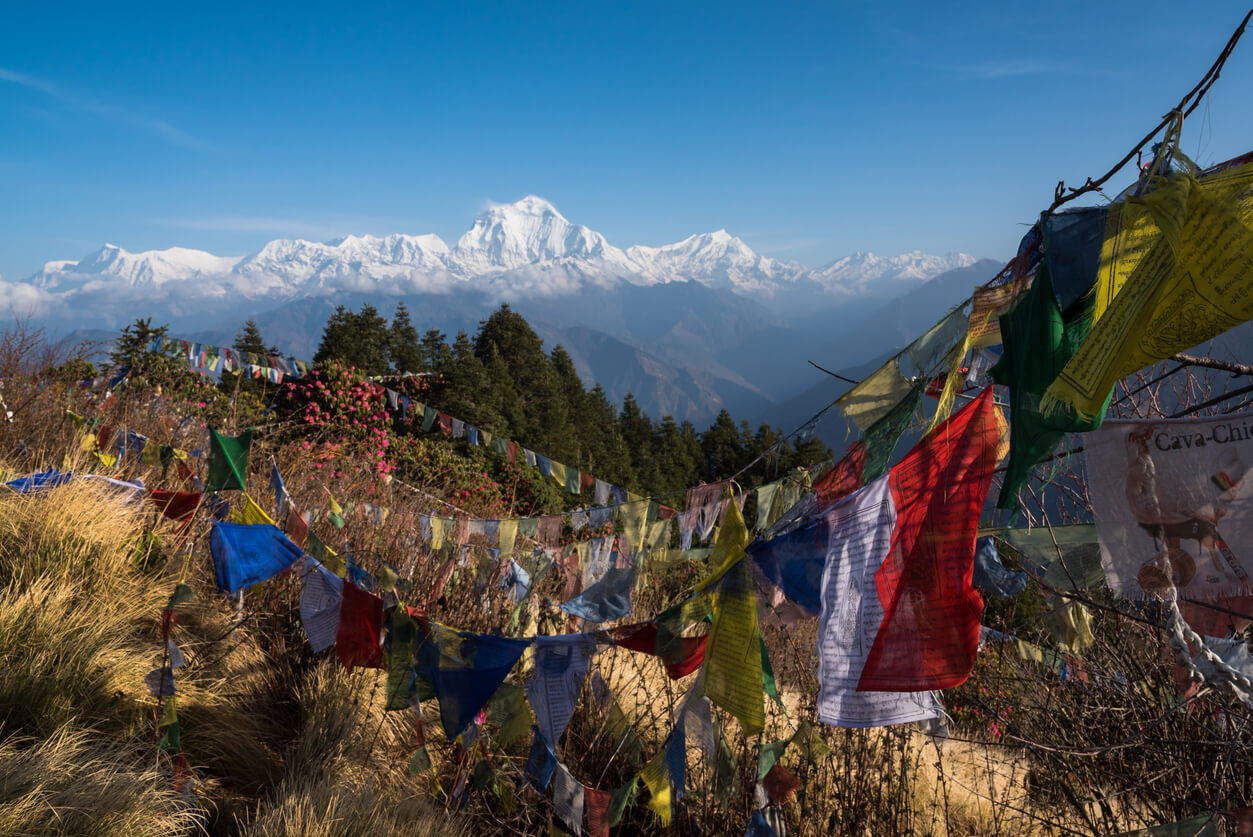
column 1174, row 272
column 733, row 654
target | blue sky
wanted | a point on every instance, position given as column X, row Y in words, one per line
column 809, row 130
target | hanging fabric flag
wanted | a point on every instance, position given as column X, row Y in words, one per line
column 574, row 481
column 634, row 517
column 228, row 460
column 681, row 657
column 1205, row 825
column 508, row 534
column 601, row 493
column 251, row 514
column 541, row 762
column 757, row 825
column 875, row 396
column 1170, row 497
column 987, row 305
column 765, row 505
column 929, row 354
column 557, row 471
column 358, row 639
column 732, row 668
column 321, row 593
column 568, row 799
column 658, row 533
column 335, row 512
column 429, row 416
column 465, row 669
column 794, row 563
column 445, row 424
column 400, row 644
column 924, row 583
column 282, row 500
column 1071, row 627
column 458, row 429
column 175, row 505
column 899, row 614
column 991, row 576
column 549, row 531
column 516, row 580
column 1066, row 557
column 596, row 807
column 1173, row 274
column 40, row 482
column 561, row 664
column 1039, row 339
column 246, row 555
column 297, row 526
column 860, row 529
column 605, row 600
column 657, row 779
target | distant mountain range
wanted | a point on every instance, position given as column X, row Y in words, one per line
column 689, row 327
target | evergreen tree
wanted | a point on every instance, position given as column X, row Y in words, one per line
column 435, row 352
column 722, row 447
column 249, row 339
column 134, row 350
column 358, row 339
column 406, row 351
column 637, row 433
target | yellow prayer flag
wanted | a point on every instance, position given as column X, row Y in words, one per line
column 558, row 473
column 657, row 779
column 875, row 396
column 88, row 443
column 437, row 532
column 733, row 652
column 1174, row 272
column 250, row 513
column 508, row 532
column 634, row 516
column 151, row 454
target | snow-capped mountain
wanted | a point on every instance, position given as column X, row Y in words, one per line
column 522, row 250
column 854, row 274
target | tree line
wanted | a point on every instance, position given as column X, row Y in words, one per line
column 501, row 379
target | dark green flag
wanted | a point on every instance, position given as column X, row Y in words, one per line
column 1039, row 338
column 228, row 460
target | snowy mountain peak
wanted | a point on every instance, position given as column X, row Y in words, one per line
column 524, row 249
column 525, row 232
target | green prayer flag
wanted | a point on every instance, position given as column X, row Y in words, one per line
column 621, row 799
column 182, row 593
column 1039, row 338
column 172, row 740
column 402, row 641
column 421, row 762
column 228, row 460
column 767, row 678
column 882, row 436
column 429, row 414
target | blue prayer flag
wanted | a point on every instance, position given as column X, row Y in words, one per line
column 465, row 669
column 244, row 555
column 607, row 599
column 40, row 482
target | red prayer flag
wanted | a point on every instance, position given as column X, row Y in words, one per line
column 445, row 424
column 930, row 629
column 297, row 528
column 780, row 783
column 845, row 476
column 176, row 505
column 643, row 637
column 360, row 629
column 596, row 807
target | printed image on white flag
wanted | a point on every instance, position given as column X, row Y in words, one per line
column 1173, row 506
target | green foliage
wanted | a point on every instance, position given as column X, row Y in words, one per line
column 360, row 340
column 249, row 339
column 72, row 371
column 133, row 349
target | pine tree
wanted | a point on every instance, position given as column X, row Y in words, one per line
column 134, row 349
column 405, row 350
column 722, row 446
column 435, row 351
column 249, row 339
column 357, row 339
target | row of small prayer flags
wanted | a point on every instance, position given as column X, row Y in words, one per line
column 160, row 682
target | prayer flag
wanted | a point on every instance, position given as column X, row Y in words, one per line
column 245, row 555
column 465, row 669
column 358, row 637
column 228, row 460
column 899, row 614
column 560, row 668
column 321, row 594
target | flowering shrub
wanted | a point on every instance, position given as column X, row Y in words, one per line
column 434, row 466
column 334, row 411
